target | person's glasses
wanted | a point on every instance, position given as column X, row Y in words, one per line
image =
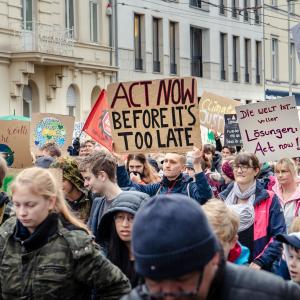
column 243, row 168
column 121, row 218
column 146, row 294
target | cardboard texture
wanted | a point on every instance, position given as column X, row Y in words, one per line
column 213, row 108
column 154, row 115
column 47, row 128
column 14, row 143
column 270, row 129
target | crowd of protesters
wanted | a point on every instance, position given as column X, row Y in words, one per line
column 213, row 223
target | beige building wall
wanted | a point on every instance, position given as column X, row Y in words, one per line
column 276, row 47
column 42, row 56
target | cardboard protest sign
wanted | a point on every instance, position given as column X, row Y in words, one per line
column 78, row 131
column 14, row 143
column 154, row 115
column 270, row 129
column 296, row 36
column 47, row 128
column 232, row 134
column 213, row 108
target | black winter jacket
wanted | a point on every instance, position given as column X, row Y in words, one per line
column 242, row 283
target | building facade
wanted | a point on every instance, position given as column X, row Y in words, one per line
column 219, row 42
column 282, row 69
column 55, row 55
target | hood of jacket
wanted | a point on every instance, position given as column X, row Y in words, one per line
column 127, row 201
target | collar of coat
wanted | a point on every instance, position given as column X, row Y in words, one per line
column 40, row 236
column 182, row 178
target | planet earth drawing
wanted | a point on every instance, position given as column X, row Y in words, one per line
column 50, row 130
column 7, row 153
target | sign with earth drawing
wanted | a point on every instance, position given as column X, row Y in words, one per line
column 46, row 128
column 14, row 143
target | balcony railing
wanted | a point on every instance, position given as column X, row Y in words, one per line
column 223, row 75
column 247, row 77
column 173, row 68
column 258, row 79
column 222, row 9
column 156, row 66
column 235, row 76
column 196, row 66
column 234, row 12
column 138, row 63
column 37, row 37
column 257, row 18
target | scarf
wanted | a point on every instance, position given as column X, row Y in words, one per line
column 244, row 210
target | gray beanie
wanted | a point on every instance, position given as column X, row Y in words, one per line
column 171, row 237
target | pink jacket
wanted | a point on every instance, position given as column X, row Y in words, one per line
column 290, row 207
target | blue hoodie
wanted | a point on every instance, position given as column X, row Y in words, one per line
column 199, row 190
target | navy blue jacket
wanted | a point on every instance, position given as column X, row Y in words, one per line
column 199, row 190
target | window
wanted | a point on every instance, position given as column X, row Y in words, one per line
column 69, row 17
column 247, row 60
column 222, row 7
column 196, row 3
column 274, row 49
column 173, row 47
column 196, row 52
column 224, row 55
column 26, row 12
column 235, row 58
column 257, row 12
column 27, row 101
column 156, row 42
column 138, row 42
column 258, row 61
column 293, row 62
column 246, row 12
column 292, row 6
column 71, row 100
column 274, row 3
column 94, row 21
column 234, row 12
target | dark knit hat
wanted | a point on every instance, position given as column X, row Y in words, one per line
column 227, row 170
column 171, row 237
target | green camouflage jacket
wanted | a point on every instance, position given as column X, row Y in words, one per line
column 67, row 266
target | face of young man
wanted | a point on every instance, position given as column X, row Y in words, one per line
column 87, row 179
column 97, row 183
column 173, row 165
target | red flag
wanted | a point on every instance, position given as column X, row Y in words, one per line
column 97, row 124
